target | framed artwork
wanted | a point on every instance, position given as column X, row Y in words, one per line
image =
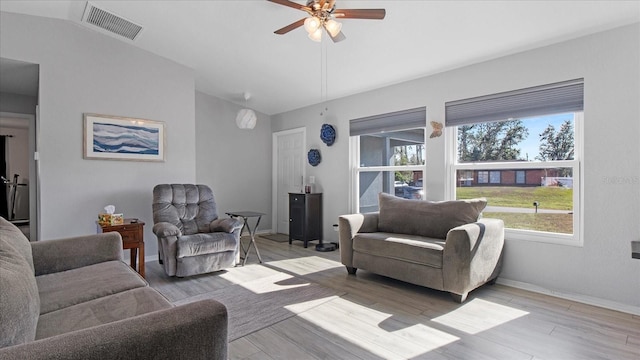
column 120, row 138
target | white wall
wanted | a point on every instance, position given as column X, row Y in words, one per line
column 83, row 71
column 602, row 270
column 235, row 163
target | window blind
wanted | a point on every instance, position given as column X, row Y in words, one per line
column 566, row 96
column 399, row 120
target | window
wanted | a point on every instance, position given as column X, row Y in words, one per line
column 524, row 147
column 466, row 178
column 483, row 177
column 388, row 155
column 494, row 177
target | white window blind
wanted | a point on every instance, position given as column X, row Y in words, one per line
column 566, row 96
column 399, row 120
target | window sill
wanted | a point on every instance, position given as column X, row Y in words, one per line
column 543, row 237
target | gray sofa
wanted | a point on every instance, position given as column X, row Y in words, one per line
column 75, row 298
column 440, row 245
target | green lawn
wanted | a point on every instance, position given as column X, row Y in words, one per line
column 552, row 198
column 555, row 198
column 558, row 223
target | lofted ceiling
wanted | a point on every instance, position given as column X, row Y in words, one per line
column 232, row 48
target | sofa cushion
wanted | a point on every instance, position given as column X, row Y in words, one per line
column 17, row 240
column 426, row 218
column 67, row 288
column 19, row 300
column 100, row 311
column 410, row 248
column 207, row 243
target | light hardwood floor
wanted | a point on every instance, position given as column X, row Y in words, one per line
column 381, row 318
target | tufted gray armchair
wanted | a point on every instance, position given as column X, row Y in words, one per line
column 191, row 238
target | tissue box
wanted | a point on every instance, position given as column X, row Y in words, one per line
column 110, row 219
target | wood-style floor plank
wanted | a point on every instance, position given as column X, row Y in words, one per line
column 382, row 318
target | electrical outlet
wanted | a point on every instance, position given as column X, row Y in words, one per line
column 312, row 179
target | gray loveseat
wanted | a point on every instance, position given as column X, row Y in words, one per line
column 440, row 245
column 75, row 299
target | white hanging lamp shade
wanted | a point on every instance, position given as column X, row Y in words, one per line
column 246, row 119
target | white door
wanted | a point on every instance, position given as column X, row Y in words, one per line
column 288, row 163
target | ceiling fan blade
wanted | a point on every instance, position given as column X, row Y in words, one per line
column 374, row 14
column 290, row 4
column 290, row 27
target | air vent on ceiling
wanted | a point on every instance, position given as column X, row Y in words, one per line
column 110, row 22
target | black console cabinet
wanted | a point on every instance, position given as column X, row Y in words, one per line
column 305, row 217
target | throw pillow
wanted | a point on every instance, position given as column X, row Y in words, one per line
column 426, row 218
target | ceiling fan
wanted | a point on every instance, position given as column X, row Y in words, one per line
column 322, row 15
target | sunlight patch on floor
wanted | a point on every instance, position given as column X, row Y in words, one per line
column 277, row 282
column 306, row 265
column 241, row 274
column 478, row 315
column 306, row 305
column 375, row 331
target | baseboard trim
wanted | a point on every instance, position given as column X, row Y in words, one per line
column 589, row 300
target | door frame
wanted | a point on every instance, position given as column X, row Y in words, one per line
column 274, row 169
column 34, row 170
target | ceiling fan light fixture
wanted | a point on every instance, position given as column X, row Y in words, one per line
column 333, row 27
column 321, row 14
column 316, row 35
column 312, row 24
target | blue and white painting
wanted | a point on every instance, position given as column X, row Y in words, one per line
column 125, row 139
column 118, row 138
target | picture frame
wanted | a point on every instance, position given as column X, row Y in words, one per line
column 122, row 138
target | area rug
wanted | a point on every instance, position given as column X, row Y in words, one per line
column 254, row 305
column 275, row 237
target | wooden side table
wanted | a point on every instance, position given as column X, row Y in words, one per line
column 132, row 239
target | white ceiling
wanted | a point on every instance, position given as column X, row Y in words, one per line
column 232, row 47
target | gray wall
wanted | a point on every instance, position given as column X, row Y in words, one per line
column 83, row 71
column 236, row 163
column 601, row 270
column 16, row 103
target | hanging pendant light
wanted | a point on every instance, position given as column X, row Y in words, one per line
column 246, row 118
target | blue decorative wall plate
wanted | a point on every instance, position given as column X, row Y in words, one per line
column 328, row 134
column 314, row 157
